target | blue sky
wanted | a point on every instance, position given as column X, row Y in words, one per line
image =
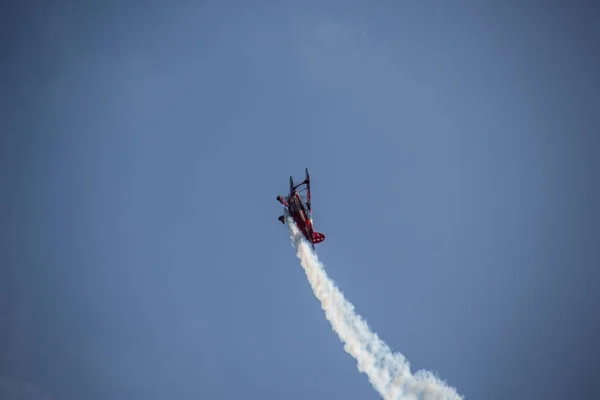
column 452, row 147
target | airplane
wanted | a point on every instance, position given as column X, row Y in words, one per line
column 300, row 211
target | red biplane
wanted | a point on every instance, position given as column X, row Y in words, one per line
column 301, row 211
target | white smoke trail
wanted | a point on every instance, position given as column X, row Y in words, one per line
column 389, row 373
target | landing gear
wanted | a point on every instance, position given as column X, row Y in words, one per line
column 281, row 219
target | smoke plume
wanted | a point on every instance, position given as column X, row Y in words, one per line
column 388, row 372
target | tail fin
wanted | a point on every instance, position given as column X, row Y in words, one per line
column 318, row 237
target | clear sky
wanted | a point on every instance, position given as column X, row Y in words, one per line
column 453, row 148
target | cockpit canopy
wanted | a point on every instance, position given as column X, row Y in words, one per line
column 308, row 213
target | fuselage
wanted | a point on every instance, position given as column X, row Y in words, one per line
column 301, row 216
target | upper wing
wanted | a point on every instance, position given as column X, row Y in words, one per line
column 307, row 181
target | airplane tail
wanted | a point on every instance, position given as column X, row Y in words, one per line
column 318, row 237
